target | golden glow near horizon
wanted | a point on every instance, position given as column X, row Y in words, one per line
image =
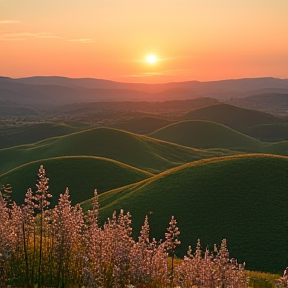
column 197, row 40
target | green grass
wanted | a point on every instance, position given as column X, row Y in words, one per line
column 143, row 125
column 237, row 118
column 205, row 134
column 33, row 133
column 270, row 132
column 262, row 280
column 241, row 198
column 81, row 174
column 278, row 148
column 139, row 151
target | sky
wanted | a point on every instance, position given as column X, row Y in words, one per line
column 200, row 40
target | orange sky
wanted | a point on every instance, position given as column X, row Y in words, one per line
column 110, row 39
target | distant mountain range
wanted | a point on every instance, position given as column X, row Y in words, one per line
column 61, row 90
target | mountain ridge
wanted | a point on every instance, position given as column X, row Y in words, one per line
column 229, row 88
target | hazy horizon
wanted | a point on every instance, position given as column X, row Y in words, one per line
column 126, row 82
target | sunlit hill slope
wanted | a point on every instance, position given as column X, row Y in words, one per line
column 205, row 134
column 241, row 198
column 270, row 132
column 81, row 174
column 139, row 151
column 33, row 133
column 143, row 125
column 234, row 117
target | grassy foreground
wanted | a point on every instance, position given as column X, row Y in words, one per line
column 63, row 247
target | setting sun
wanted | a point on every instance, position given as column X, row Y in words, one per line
column 151, row 59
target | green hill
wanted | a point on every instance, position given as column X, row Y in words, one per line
column 270, row 132
column 237, row 118
column 32, row 133
column 142, row 125
column 241, row 198
column 80, row 174
column 139, row 151
column 204, row 134
column 278, row 148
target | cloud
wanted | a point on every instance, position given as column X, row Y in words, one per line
column 25, row 35
column 11, row 36
column 10, row 21
column 47, row 36
column 81, row 40
column 4, row 36
column 148, row 74
column 162, row 73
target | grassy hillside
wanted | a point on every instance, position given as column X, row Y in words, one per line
column 132, row 149
column 32, row 133
column 80, row 174
column 279, row 148
column 241, row 198
column 270, row 132
column 237, row 118
column 143, row 125
column 204, row 134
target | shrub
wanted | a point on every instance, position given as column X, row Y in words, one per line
column 63, row 247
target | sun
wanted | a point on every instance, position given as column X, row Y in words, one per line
column 151, row 59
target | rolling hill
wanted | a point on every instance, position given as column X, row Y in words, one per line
column 139, row 151
column 237, row 118
column 205, row 134
column 270, row 132
column 241, row 198
column 33, row 133
column 142, row 125
column 132, row 106
column 279, row 148
column 81, row 174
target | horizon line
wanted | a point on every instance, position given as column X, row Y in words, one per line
column 148, row 83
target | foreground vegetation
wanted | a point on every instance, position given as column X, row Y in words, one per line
column 264, row 280
column 241, row 198
column 62, row 247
